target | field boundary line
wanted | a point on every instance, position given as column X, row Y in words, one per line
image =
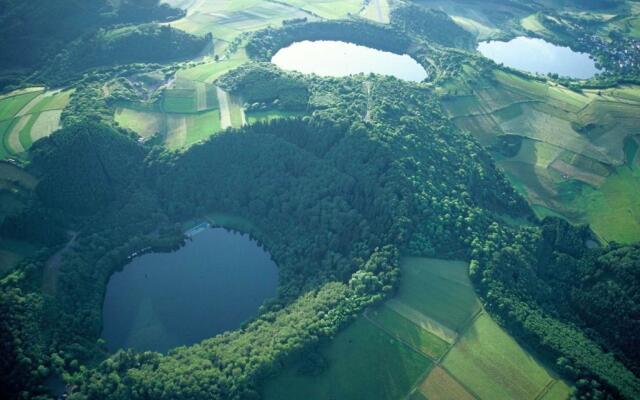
column 545, row 389
column 463, row 385
column 423, row 321
column 466, row 327
column 394, row 337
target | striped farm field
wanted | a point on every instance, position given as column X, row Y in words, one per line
column 407, row 348
column 405, row 330
column 439, row 385
column 27, row 116
column 491, row 364
column 362, row 362
column 438, row 289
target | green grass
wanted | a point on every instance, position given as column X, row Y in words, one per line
column 440, row 385
column 330, row 9
column 25, row 132
column 179, row 101
column 10, row 106
column 439, row 289
column 489, row 362
column 145, row 124
column 363, row 363
column 613, row 209
column 264, row 116
column 408, row 332
column 211, row 71
column 5, row 128
column 202, row 125
column 236, row 112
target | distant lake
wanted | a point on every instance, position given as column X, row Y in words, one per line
column 211, row 285
column 539, row 56
column 335, row 58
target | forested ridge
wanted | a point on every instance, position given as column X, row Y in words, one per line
column 64, row 38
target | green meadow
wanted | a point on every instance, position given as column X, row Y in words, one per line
column 493, row 365
column 362, row 361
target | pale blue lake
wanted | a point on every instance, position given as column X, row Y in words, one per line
column 339, row 59
column 539, row 56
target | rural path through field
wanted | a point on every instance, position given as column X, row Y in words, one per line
column 225, row 112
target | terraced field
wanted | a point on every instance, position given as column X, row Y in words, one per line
column 431, row 341
column 225, row 20
column 571, row 155
column 28, row 115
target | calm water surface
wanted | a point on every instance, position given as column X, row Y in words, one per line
column 335, row 58
column 215, row 282
column 539, row 56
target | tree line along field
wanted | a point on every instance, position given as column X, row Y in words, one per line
column 432, row 341
column 567, row 147
column 28, row 115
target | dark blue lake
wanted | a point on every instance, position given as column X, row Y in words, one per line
column 211, row 285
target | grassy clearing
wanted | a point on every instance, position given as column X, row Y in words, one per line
column 10, row 106
column 613, row 209
column 45, row 124
column 477, row 29
column 236, row 113
column 179, row 101
column 5, row 127
column 491, row 364
column 330, row 9
column 363, row 363
column 201, row 126
column 532, row 23
column 212, row 70
column 377, row 10
column 264, row 116
column 184, row 130
column 144, row 123
column 438, row 289
column 439, row 385
column 405, row 330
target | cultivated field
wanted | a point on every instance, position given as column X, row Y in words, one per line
column 572, row 158
column 491, row 364
column 478, row 360
column 363, row 362
column 28, row 115
column 440, row 290
column 439, row 385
